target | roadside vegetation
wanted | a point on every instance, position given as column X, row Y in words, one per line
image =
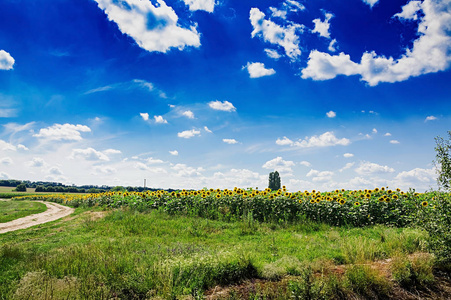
column 11, row 210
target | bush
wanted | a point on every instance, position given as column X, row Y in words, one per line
column 21, row 188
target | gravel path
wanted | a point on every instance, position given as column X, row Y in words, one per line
column 54, row 212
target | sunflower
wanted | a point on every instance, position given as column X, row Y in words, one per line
column 357, row 203
column 395, row 197
column 218, row 195
column 342, row 201
column 271, row 197
column 300, row 200
column 424, row 203
column 312, row 201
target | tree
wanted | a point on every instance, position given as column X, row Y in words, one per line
column 443, row 161
column 274, row 181
column 21, row 188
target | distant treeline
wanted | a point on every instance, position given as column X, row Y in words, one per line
column 48, row 187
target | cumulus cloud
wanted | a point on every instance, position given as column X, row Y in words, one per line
column 387, row 134
column 273, row 54
column 55, row 171
column 278, row 164
column 283, row 36
column 284, row 142
column 153, row 27
column 4, row 175
column 188, row 133
column 331, row 114
column 36, row 162
column 6, row 161
column 347, row 166
column 160, row 120
column 431, row 51
column 174, row 152
column 332, row 45
column 320, row 176
column 7, row 146
column 189, row 114
column 207, row 130
column 348, row 155
column 187, row 171
column 230, row 141
column 416, row 178
column 64, row 132
column 206, row 5
column 154, row 161
column 6, row 60
column 367, row 168
column 22, row 147
column 430, row 118
column 224, row 105
column 326, row 139
column 88, row 154
column 258, row 69
column 322, row 27
column 112, row 151
column 394, row 142
column 305, row 163
column 371, row 3
column 145, row 116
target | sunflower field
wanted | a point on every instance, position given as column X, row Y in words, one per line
column 337, row 208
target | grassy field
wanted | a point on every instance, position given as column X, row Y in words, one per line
column 11, row 210
column 234, row 245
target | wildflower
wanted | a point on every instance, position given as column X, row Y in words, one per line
column 342, row 201
column 357, row 203
column 424, row 203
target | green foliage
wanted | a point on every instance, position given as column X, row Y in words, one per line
column 11, row 210
column 21, row 188
column 443, row 161
column 367, row 282
column 411, row 272
column 274, row 181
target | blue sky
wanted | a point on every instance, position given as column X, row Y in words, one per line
column 219, row 93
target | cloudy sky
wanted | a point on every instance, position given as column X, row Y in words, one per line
column 219, row 93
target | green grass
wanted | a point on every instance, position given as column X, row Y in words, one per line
column 128, row 254
column 11, row 210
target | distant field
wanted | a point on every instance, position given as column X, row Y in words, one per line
column 11, row 210
column 9, row 189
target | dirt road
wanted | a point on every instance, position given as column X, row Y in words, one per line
column 54, row 212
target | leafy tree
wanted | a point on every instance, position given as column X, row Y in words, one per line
column 274, row 181
column 118, row 189
column 443, row 161
column 21, row 187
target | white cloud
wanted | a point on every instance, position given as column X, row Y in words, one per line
column 189, row 114
column 8, row 112
column 331, row 114
column 4, row 175
column 174, row 152
column 347, row 166
column 305, row 163
column 36, row 162
column 187, row 171
column 273, row 54
column 285, row 141
column 374, row 130
column 293, row 6
column 153, row 27
column 104, row 170
column 230, row 141
column 160, row 120
column 322, row 28
column 273, row 33
column 371, row 3
column 188, row 133
column 430, row 118
column 6, row 161
column 258, row 69
column 326, row 139
column 55, row 171
column 348, row 155
column 277, row 13
column 111, row 152
column 278, row 164
column 154, row 161
column 207, row 5
column 332, row 45
column 431, row 51
column 318, row 176
column 224, row 106
column 387, row 134
column 410, row 11
column 207, row 130
column 416, row 178
column 394, row 142
column 7, row 146
column 58, row 132
column 22, row 147
column 6, row 60
column 145, row 116
column 366, row 168
column 88, row 154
